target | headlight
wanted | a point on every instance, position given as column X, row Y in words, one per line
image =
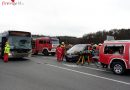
column 10, row 54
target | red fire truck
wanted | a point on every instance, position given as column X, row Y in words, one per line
column 115, row 54
column 45, row 45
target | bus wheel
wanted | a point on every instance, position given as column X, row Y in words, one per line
column 45, row 52
column 118, row 68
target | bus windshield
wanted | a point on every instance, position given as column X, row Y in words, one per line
column 20, row 42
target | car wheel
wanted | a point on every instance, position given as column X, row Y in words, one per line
column 53, row 54
column 67, row 60
column 118, row 68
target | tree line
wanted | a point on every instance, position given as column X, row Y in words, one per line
column 97, row 37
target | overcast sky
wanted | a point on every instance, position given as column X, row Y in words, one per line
column 65, row 17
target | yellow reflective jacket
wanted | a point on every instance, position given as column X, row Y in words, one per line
column 7, row 48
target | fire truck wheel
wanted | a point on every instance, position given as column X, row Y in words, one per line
column 53, row 54
column 45, row 52
column 118, row 68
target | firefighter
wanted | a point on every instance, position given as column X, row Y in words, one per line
column 6, row 51
column 63, row 50
column 89, row 54
column 59, row 53
column 98, row 46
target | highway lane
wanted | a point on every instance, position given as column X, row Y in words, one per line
column 45, row 73
column 87, row 68
column 92, row 69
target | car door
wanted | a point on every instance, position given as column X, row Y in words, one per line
column 107, row 53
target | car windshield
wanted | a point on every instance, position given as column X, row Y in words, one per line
column 77, row 48
column 20, row 42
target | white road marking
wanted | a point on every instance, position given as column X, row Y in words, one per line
column 88, row 74
column 96, row 69
column 69, row 65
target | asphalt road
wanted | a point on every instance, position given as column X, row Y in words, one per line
column 45, row 73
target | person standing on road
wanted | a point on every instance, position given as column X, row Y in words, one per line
column 89, row 54
column 6, row 51
column 63, row 50
column 59, row 53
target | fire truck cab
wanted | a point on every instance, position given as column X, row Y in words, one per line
column 45, row 45
column 115, row 55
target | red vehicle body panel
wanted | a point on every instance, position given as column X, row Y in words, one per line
column 43, row 43
column 110, row 57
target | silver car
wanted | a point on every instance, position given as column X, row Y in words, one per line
column 72, row 55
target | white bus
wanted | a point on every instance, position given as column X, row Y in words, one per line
column 20, row 43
